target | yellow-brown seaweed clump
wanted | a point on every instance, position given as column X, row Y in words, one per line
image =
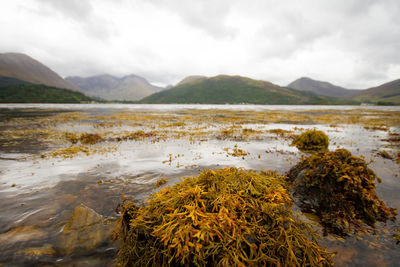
column 160, row 182
column 311, row 141
column 220, row 218
column 340, row 189
column 84, row 138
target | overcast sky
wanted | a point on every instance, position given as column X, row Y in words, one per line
column 352, row 43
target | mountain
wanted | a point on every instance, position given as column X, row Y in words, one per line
column 8, row 81
column 224, row 89
column 108, row 87
column 25, row 68
column 385, row 94
column 320, row 88
column 17, row 91
column 192, row 78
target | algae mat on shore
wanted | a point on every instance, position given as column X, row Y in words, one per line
column 52, row 160
column 220, row 218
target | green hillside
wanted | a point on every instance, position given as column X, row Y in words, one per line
column 224, row 89
column 12, row 91
column 385, row 94
column 8, row 81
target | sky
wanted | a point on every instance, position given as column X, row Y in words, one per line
column 351, row 43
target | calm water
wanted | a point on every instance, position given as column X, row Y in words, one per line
column 42, row 193
column 171, row 107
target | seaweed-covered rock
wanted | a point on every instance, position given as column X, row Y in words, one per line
column 220, row 218
column 311, row 141
column 340, row 189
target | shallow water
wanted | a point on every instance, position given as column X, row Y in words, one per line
column 41, row 189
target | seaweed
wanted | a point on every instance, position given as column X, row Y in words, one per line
column 340, row 189
column 282, row 133
column 84, row 138
column 224, row 217
column 160, row 182
column 236, row 152
column 398, row 158
column 384, row 154
column 311, row 141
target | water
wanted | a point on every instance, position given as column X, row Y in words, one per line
column 171, row 107
column 40, row 189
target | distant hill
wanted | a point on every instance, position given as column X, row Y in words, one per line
column 320, row 88
column 192, row 78
column 108, row 87
column 17, row 91
column 25, row 68
column 385, row 94
column 234, row 90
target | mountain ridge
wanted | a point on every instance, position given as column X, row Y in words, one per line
column 223, row 89
column 26, row 68
column 387, row 93
column 129, row 88
column 13, row 90
column 320, row 87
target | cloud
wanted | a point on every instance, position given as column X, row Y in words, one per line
column 76, row 9
column 209, row 16
column 79, row 11
column 351, row 43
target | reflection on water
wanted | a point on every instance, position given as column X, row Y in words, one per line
column 41, row 195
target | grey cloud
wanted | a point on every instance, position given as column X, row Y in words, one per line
column 283, row 39
column 209, row 16
column 81, row 11
column 375, row 38
column 366, row 30
column 76, row 9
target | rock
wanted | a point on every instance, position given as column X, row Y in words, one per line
column 47, row 249
column 21, row 234
column 344, row 255
column 44, row 216
column 35, row 253
column 376, row 259
column 85, row 230
column 87, row 262
column 66, row 199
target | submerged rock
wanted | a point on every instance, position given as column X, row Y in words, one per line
column 66, row 199
column 340, row 189
column 85, row 230
column 21, row 234
column 35, row 253
column 220, row 218
column 46, row 249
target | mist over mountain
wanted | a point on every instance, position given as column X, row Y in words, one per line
column 25, row 68
column 108, row 87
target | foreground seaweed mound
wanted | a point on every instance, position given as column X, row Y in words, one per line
column 340, row 189
column 220, row 218
column 311, row 141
